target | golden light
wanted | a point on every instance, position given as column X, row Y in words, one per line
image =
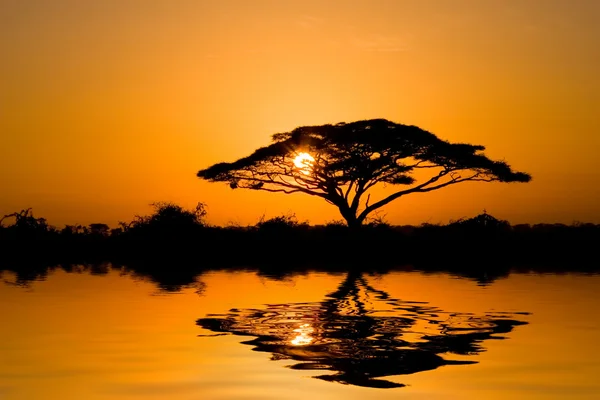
column 303, row 162
column 303, row 337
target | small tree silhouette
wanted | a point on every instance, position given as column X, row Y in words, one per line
column 340, row 163
column 25, row 222
column 171, row 216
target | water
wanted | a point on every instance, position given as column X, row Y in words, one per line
column 240, row 335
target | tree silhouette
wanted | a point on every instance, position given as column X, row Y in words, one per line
column 340, row 163
column 170, row 217
column 25, row 222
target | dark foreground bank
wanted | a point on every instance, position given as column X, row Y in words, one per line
column 174, row 244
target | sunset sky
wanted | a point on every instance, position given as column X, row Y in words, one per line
column 107, row 106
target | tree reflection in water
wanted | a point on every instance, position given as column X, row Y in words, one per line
column 358, row 343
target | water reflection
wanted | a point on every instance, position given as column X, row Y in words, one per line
column 303, row 337
column 361, row 334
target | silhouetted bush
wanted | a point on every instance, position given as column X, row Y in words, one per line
column 281, row 223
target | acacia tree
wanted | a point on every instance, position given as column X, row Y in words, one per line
column 340, row 163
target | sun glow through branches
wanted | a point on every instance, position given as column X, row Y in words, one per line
column 303, row 162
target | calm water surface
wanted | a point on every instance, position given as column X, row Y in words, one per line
column 240, row 335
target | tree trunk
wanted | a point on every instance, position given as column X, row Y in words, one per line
column 351, row 220
column 349, row 215
column 353, row 224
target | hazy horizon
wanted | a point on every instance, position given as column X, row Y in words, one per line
column 106, row 107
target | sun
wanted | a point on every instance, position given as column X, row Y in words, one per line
column 303, row 162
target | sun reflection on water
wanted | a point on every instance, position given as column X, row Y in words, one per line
column 303, row 337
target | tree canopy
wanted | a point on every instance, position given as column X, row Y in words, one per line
column 341, row 162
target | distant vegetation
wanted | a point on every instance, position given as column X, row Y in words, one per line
column 175, row 233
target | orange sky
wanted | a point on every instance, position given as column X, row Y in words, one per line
column 107, row 106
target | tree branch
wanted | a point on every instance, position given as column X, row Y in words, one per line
column 360, row 190
column 287, row 187
column 350, row 186
column 422, row 188
column 280, row 190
